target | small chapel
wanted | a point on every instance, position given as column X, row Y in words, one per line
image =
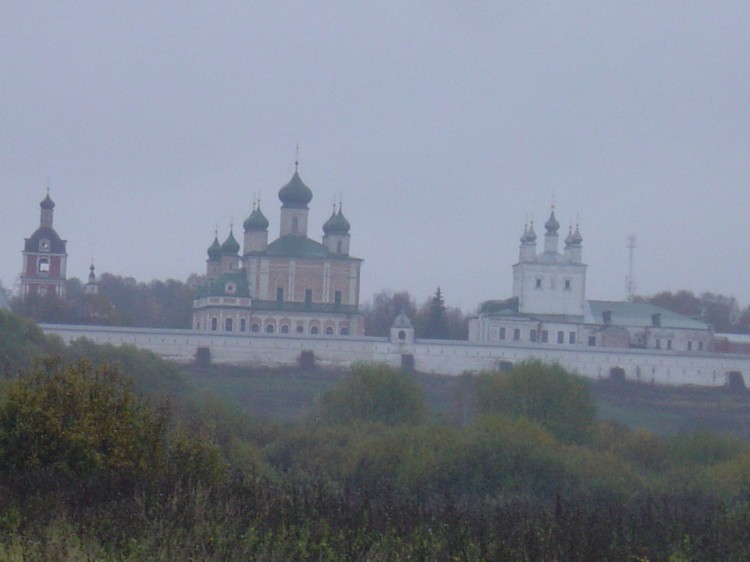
column 292, row 285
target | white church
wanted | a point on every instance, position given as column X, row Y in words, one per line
column 549, row 306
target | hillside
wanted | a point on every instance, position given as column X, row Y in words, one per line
column 289, row 395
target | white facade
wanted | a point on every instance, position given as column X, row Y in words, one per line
column 549, row 307
column 432, row 356
column 550, row 282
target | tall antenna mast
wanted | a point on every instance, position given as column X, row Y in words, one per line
column 630, row 279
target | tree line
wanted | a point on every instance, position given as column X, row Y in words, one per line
column 119, row 301
column 124, row 301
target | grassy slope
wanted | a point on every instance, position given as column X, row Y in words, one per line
column 290, row 395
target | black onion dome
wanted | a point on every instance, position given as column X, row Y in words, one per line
column 295, row 194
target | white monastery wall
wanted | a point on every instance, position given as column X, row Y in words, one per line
column 446, row 357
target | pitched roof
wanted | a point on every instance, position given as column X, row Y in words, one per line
column 639, row 314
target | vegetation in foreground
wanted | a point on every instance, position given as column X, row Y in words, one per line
column 97, row 464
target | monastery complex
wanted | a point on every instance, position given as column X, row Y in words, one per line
column 295, row 300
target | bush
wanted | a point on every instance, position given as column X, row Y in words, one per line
column 546, row 394
column 374, row 393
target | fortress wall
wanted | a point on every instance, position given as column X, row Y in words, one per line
column 435, row 356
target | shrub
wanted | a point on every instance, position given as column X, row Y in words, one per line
column 546, row 394
column 374, row 393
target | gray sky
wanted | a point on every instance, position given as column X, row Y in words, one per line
column 443, row 124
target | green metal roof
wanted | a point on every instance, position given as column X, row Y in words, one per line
column 221, row 286
column 640, row 314
column 291, row 246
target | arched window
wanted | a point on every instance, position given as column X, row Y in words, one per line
column 300, row 329
column 43, row 266
column 269, row 328
column 329, row 331
column 255, row 328
column 401, row 335
column 285, row 329
column 344, row 331
column 314, row 330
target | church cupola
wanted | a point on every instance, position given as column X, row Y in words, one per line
column 294, row 197
column 230, row 250
column 550, row 236
column 47, row 208
column 230, row 247
column 256, row 231
column 91, row 287
column 336, row 232
column 576, row 246
column 527, row 250
column 213, row 263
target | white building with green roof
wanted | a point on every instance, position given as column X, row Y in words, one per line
column 549, row 307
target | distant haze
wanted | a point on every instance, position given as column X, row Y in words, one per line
column 444, row 125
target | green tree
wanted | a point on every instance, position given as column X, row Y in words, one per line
column 433, row 323
column 77, row 420
column 544, row 393
column 374, row 393
column 22, row 343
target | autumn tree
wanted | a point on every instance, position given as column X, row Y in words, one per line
column 544, row 393
column 374, row 393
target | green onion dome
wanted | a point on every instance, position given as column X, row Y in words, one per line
column 230, row 247
column 337, row 224
column 214, row 250
column 295, row 194
column 256, row 221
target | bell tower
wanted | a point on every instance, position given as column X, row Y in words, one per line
column 44, row 257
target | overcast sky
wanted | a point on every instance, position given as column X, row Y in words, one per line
column 444, row 126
